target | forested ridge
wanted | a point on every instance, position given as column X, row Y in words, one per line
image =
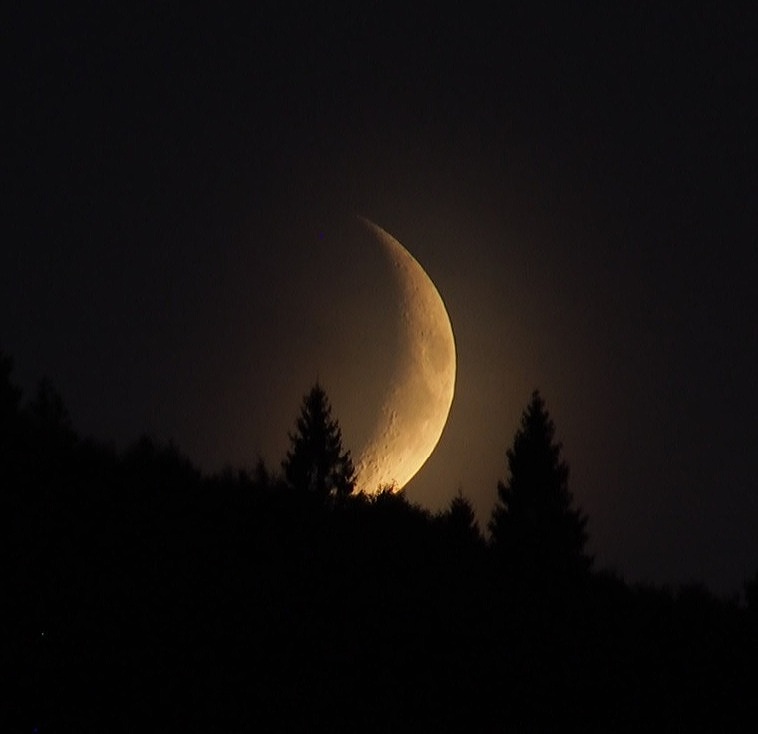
column 144, row 595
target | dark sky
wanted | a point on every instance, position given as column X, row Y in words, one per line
column 580, row 185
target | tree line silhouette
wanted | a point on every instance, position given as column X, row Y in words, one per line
column 145, row 595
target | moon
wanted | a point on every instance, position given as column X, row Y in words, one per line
column 416, row 403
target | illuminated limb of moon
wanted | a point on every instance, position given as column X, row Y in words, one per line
column 416, row 404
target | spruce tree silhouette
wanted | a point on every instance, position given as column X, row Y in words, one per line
column 48, row 412
column 10, row 420
column 316, row 462
column 459, row 521
column 533, row 524
column 10, row 394
column 751, row 594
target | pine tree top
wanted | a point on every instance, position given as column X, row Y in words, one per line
column 534, row 522
column 316, row 461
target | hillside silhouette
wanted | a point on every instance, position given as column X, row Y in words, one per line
column 144, row 595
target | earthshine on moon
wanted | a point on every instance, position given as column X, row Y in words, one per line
column 417, row 401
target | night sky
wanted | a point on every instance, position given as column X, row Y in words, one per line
column 580, row 185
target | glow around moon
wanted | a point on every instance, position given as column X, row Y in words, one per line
column 417, row 401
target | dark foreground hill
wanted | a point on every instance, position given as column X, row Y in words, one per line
column 143, row 596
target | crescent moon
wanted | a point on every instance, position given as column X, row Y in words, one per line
column 416, row 404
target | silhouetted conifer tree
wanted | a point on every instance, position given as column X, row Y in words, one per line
column 10, row 398
column 316, row 462
column 10, row 394
column 534, row 524
column 262, row 478
column 751, row 594
column 460, row 520
column 48, row 410
column 10, row 424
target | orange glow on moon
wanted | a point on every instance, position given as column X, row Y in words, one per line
column 417, row 401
